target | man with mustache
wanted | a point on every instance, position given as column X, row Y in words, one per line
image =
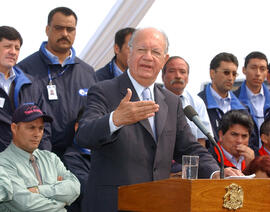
column 65, row 78
column 217, row 95
column 175, row 75
column 253, row 93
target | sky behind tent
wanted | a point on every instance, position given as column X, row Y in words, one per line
column 197, row 30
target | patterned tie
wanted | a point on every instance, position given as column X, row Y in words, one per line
column 34, row 164
column 146, row 95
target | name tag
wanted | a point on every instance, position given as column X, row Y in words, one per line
column 52, row 94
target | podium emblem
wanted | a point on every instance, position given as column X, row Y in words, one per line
column 234, row 198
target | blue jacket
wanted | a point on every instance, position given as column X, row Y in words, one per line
column 72, row 82
column 22, row 91
column 106, row 72
column 241, row 93
column 214, row 112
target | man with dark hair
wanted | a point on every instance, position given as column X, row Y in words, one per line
column 15, row 86
column 64, row 78
column 119, row 62
column 265, row 137
column 253, row 93
column 234, row 132
column 217, row 95
column 39, row 179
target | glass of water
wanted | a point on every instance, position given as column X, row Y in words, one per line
column 190, row 164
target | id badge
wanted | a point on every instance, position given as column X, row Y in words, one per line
column 52, row 94
column 2, row 102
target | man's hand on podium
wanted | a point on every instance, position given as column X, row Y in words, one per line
column 229, row 171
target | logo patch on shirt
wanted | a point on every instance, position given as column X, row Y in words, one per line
column 83, row 92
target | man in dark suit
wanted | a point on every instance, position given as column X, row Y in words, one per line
column 134, row 141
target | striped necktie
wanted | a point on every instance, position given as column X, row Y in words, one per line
column 146, row 95
column 34, row 164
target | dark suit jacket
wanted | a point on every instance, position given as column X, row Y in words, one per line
column 131, row 155
column 106, row 72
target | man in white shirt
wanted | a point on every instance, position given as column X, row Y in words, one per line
column 175, row 75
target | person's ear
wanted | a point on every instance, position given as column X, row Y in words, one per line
column 220, row 135
column 244, row 70
column 116, row 49
column 13, row 128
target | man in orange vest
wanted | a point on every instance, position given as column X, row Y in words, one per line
column 234, row 132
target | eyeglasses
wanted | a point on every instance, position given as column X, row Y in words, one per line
column 60, row 28
column 154, row 52
column 227, row 72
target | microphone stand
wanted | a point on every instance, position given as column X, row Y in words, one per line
column 212, row 140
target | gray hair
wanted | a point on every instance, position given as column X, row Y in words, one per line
column 130, row 43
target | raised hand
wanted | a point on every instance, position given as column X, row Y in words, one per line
column 129, row 112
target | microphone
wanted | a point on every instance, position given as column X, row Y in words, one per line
column 194, row 117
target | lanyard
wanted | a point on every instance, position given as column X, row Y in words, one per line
column 58, row 75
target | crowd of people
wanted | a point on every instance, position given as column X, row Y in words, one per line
column 71, row 135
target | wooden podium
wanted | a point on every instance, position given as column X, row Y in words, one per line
column 201, row 195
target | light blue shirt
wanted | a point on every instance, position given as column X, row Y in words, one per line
column 116, row 70
column 53, row 195
column 223, row 103
column 5, row 83
column 233, row 160
column 198, row 104
column 139, row 89
column 55, row 59
column 6, row 189
column 257, row 102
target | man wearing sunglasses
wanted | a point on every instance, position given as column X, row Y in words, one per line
column 217, row 95
column 253, row 93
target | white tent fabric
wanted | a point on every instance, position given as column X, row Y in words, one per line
column 125, row 13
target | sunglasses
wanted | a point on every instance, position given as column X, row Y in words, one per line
column 227, row 72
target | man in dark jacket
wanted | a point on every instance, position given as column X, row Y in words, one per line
column 15, row 87
column 64, row 78
column 217, row 95
column 119, row 62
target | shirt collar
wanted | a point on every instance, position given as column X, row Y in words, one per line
column 11, row 76
column 231, row 158
column 250, row 94
column 55, row 59
column 116, row 70
column 21, row 152
column 266, row 150
column 217, row 97
column 139, row 88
